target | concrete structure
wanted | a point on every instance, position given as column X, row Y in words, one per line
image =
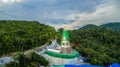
column 62, row 54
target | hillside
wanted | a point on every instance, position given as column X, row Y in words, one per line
column 115, row 26
column 100, row 46
column 23, row 35
column 112, row 26
column 89, row 26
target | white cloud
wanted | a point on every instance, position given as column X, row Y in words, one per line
column 51, row 10
column 103, row 14
column 10, row 1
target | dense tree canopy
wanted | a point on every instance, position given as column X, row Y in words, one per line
column 100, row 46
column 23, row 35
column 32, row 60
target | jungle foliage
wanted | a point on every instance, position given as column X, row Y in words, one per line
column 32, row 60
column 23, row 35
column 100, row 45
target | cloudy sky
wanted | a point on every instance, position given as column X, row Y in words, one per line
column 59, row 13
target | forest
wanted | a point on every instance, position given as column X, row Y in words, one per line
column 23, row 35
column 31, row 60
column 99, row 45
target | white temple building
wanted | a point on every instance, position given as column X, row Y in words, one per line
column 62, row 54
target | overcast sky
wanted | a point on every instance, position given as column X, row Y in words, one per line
column 59, row 13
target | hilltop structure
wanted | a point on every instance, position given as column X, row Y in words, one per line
column 62, row 54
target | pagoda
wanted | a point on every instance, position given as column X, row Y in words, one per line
column 61, row 54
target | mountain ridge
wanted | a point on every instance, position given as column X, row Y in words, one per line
column 114, row 26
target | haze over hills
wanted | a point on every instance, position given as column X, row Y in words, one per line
column 115, row 26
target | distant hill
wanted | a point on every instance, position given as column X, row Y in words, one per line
column 89, row 26
column 115, row 26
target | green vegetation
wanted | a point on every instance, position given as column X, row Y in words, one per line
column 100, row 46
column 89, row 26
column 23, row 35
column 114, row 26
column 21, row 60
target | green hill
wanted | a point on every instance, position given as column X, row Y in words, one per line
column 23, row 35
column 115, row 26
column 99, row 45
column 89, row 26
